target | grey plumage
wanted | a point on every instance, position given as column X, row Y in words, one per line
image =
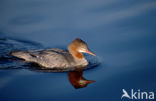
column 50, row 58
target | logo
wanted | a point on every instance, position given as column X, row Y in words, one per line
column 138, row 94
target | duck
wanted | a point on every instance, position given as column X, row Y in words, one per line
column 58, row 58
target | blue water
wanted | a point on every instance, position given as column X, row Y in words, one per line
column 122, row 34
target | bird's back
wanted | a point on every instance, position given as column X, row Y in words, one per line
column 49, row 58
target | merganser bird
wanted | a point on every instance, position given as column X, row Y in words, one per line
column 58, row 58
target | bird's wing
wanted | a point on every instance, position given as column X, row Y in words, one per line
column 51, row 57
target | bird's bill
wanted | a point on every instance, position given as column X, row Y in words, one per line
column 90, row 81
column 89, row 52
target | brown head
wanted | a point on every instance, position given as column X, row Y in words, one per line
column 77, row 47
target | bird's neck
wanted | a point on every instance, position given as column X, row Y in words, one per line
column 75, row 53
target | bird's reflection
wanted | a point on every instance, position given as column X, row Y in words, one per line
column 75, row 75
column 77, row 80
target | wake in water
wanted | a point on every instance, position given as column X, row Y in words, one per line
column 8, row 45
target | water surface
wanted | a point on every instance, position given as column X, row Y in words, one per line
column 121, row 33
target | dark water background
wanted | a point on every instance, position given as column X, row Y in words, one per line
column 121, row 32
